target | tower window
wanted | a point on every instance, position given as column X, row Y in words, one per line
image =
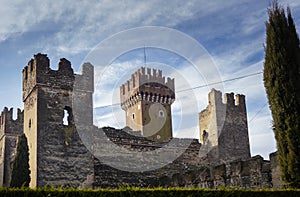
column 204, row 135
column 29, row 124
column 161, row 114
column 133, row 116
column 68, row 118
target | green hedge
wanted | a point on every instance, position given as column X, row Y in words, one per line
column 147, row 192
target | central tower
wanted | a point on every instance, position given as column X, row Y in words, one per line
column 146, row 99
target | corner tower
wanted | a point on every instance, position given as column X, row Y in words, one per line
column 57, row 156
column 147, row 99
column 10, row 130
column 224, row 128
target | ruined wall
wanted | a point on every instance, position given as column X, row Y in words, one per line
column 168, row 175
column 188, row 170
column 147, row 99
column 57, row 155
column 276, row 174
column 10, row 130
column 211, row 121
column 224, row 128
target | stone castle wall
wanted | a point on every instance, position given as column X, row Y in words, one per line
column 188, row 170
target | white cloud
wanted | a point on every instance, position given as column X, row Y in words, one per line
column 79, row 25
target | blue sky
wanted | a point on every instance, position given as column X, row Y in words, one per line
column 232, row 32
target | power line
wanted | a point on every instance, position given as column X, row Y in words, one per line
column 224, row 81
column 197, row 87
column 258, row 112
column 145, row 60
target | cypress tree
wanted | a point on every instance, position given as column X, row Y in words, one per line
column 282, row 83
column 20, row 171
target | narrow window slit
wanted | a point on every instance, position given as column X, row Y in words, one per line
column 68, row 118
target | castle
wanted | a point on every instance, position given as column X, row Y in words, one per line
column 77, row 153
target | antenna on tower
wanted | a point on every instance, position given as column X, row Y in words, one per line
column 145, row 60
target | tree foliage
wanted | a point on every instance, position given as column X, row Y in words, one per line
column 282, row 83
column 20, row 172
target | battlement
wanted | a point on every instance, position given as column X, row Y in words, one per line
column 148, row 84
column 40, row 63
column 146, row 75
column 39, row 66
column 85, row 81
column 223, row 125
column 7, row 124
column 38, row 72
column 215, row 98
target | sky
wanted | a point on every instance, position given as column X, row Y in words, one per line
column 229, row 37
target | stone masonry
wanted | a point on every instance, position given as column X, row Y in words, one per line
column 57, row 155
column 223, row 127
column 10, row 130
column 66, row 149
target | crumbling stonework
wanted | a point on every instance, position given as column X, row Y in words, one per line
column 188, row 170
column 66, row 149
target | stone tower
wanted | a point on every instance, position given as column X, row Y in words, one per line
column 10, row 130
column 147, row 99
column 57, row 155
column 223, row 127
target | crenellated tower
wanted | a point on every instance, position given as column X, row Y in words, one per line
column 147, row 99
column 224, row 128
column 8, row 125
column 49, row 123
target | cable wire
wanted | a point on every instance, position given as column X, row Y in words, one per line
column 197, row 87
column 258, row 112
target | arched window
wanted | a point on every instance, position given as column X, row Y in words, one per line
column 161, row 113
column 133, row 116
